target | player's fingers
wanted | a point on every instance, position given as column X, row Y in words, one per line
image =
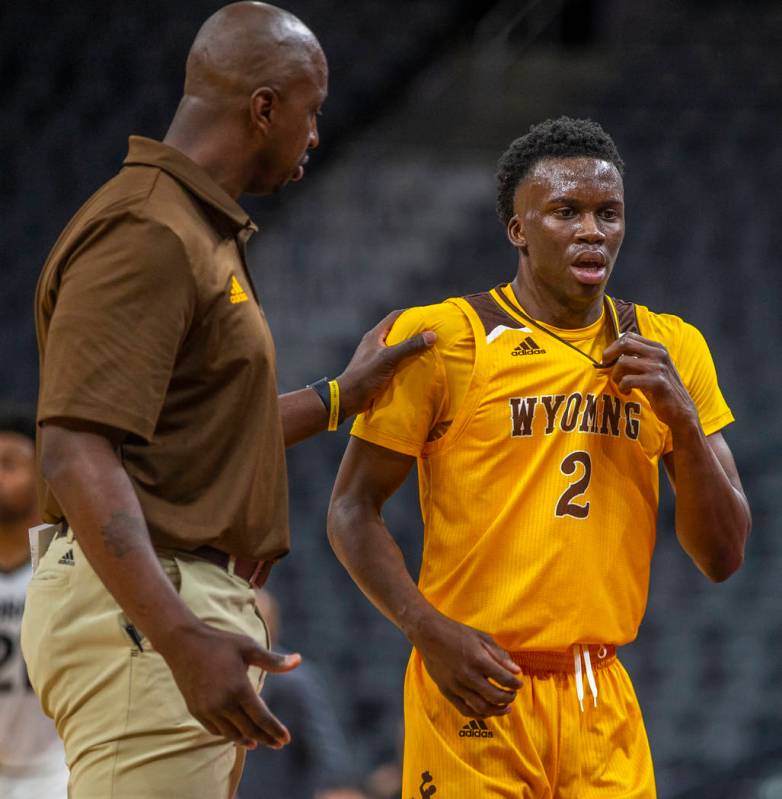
column 500, row 674
column 631, row 365
column 410, row 346
column 459, row 703
column 480, row 707
column 635, row 363
column 262, row 718
column 643, row 382
column 499, row 666
column 632, row 344
column 491, row 692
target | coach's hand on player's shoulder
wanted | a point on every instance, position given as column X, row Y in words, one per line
column 373, row 364
column 471, row 670
column 210, row 668
column 640, row 363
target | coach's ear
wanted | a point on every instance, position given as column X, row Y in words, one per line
column 515, row 233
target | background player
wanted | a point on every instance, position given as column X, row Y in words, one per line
column 538, row 431
column 32, row 761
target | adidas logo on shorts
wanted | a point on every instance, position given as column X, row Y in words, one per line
column 476, row 729
column 67, row 559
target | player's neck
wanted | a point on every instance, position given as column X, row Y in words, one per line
column 546, row 307
column 14, row 543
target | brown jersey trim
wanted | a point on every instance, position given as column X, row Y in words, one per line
column 626, row 315
column 625, row 323
column 477, row 385
column 490, row 313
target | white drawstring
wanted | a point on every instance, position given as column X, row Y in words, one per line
column 590, row 674
column 577, row 653
column 579, row 680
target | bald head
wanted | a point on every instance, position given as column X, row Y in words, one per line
column 255, row 83
column 248, row 44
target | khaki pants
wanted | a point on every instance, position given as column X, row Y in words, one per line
column 126, row 728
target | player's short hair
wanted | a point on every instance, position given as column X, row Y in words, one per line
column 554, row 138
column 15, row 418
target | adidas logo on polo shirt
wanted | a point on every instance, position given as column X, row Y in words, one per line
column 476, row 729
column 528, row 347
column 238, row 294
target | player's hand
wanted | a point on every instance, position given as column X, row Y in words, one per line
column 373, row 364
column 210, row 668
column 646, row 365
column 471, row 670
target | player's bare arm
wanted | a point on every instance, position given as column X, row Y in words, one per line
column 466, row 664
column 712, row 513
column 81, row 466
column 366, row 375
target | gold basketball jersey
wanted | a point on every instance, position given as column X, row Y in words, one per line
column 538, row 478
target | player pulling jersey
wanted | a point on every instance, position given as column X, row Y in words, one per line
column 538, row 472
column 538, row 479
column 539, row 491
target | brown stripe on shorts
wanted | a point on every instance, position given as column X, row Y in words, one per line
column 535, row 662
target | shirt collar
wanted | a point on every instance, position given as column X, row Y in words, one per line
column 148, row 152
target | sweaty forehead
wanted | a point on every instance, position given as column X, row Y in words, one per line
column 565, row 177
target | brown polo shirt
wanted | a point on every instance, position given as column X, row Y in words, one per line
column 148, row 322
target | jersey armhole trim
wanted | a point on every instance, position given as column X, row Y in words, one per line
column 474, row 391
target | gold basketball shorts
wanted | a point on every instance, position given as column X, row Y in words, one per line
column 547, row 747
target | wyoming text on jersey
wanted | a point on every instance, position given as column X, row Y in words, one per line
column 604, row 414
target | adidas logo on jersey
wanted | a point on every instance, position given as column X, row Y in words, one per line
column 476, row 729
column 67, row 559
column 238, row 294
column 528, row 347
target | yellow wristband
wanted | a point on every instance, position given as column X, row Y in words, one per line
column 334, row 409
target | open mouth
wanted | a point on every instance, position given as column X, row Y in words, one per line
column 590, row 267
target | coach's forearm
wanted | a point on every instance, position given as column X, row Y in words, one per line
column 367, row 550
column 96, row 495
column 712, row 516
column 303, row 415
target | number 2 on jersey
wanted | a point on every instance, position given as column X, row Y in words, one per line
column 565, row 505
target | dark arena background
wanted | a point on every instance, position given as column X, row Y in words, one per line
column 397, row 209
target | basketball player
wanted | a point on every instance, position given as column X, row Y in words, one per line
column 32, row 761
column 537, row 423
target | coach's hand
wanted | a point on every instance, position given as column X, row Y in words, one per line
column 373, row 364
column 471, row 670
column 646, row 365
column 210, row 668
